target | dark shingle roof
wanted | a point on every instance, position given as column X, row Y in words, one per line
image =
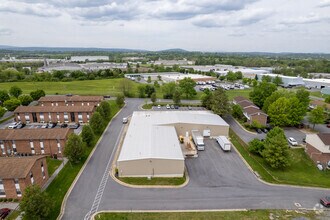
column 247, row 103
column 238, row 99
column 253, row 110
column 16, row 167
column 76, row 108
column 325, row 137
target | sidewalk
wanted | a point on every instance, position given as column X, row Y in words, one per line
column 65, row 160
column 6, row 115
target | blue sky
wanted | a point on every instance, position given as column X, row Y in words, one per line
column 203, row 25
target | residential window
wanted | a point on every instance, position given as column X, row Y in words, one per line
column 27, row 117
column 66, row 117
column 31, row 177
column 14, row 146
column 59, row 146
column 43, row 170
column 18, row 189
column 2, row 145
column 87, row 115
column 80, row 117
column 58, row 116
column 82, row 104
column 42, row 119
column 2, row 190
column 42, row 148
column 56, row 104
column 72, row 104
column 18, row 117
column 52, row 103
column 49, row 116
column 88, row 103
column 32, row 147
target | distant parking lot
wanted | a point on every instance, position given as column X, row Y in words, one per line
column 179, row 108
column 39, row 125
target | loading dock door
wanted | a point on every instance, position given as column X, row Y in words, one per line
column 206, row 133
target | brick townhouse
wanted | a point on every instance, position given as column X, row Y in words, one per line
column 44, row 114
column 76, row 100
column 33, row 141
column 251, row 111
column 318, row 147
column 17, row 173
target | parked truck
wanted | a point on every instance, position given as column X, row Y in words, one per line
column 224, row 143
column 198, row 139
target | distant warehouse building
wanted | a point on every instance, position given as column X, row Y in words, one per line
column 151, row 147
column 287, row 81
column 60, row 114
column 317, row 83
column 88, row 58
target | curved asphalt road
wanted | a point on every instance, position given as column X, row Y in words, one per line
column 211, row 186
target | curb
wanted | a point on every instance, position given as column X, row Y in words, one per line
column 167, row 211
column 243, row 127
column 83, row 168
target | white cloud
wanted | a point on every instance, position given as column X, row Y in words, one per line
column 324, row 3
column 38, row 9
column 5, row 31
column 309, row 19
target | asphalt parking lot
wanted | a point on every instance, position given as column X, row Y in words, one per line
column 163, row 108
column 36, row 125
column 212, row 166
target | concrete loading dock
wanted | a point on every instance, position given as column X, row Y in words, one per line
column 151, row 147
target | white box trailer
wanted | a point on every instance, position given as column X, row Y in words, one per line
column 224, row 143
column 198, row 139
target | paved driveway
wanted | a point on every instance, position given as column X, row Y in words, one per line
column 218, row 180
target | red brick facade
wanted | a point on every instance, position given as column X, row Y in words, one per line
column 261, row 119
column 81, row 117
column 70, row 100
column 39, row 178
column 316, row 155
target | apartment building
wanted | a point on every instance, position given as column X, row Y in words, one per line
column 75, row 100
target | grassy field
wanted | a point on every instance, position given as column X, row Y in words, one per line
column 13, row 215
column 302, row 170
column 60, row 185
column 86, row 87
column 316, row 94
column 52, row 165
column 6, row 119
column 237, row 92
column 242, row 215
column 154, row 181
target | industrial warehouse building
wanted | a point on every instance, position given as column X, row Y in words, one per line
column 151, row 147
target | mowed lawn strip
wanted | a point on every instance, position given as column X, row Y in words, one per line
column 302, row 171
column 52, row 165
column 175, row 181
column 225, row 215
column 60, row 185
column 238, row 92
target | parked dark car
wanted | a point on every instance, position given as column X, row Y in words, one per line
column 176, row 107
column 328, row 125
column 259, row 131
column 22, row 125
column 52, row 125
column 75, row 126
column 325, row 201
column 264, row 130
column 64, row 125
column 4, row 212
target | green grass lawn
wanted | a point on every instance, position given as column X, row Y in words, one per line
column 86, row 87
column 302, row 171
column 52, row 165
column 154, row 181
column 238, row 92
column 13, row 215
column 6, row 119
column 316, row 94
column 60, row 185
column 225, row 215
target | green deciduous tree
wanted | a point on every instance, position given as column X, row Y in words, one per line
column 35, row 203
column 149, row 79
column 266, row 78
column 149, row 90
column 303, row 96
column 187, row 87
column 316, row 116
column 37, row 94
column 4, row 96
column 15, row 91
column 11, row 104
column 276, row 152
column 87, row 135
column 106, row 109
column 2, row 111
column 256, row 146
column 25, row 99
column 177, row 97
column 153, row 98
column 168, row 90
column 156, row 84
column 142, row 91
column 327, row 99
column 220, row 104
column 237, row 112
column 207, row 98
column 74, row 149
column 126, row 87
column 286, row 112
column 277, row 80
column 274, row 96
column 96, row 122
column 261, row 91
column 120, row 100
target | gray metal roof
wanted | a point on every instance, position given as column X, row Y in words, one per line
column 151, row 134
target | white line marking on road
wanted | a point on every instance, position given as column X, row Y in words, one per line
column 100, row 190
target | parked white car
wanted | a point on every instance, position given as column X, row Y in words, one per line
column 14, row 125
column 292, row 141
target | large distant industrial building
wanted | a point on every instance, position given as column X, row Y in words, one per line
column 88, row 58
column 151, row 147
